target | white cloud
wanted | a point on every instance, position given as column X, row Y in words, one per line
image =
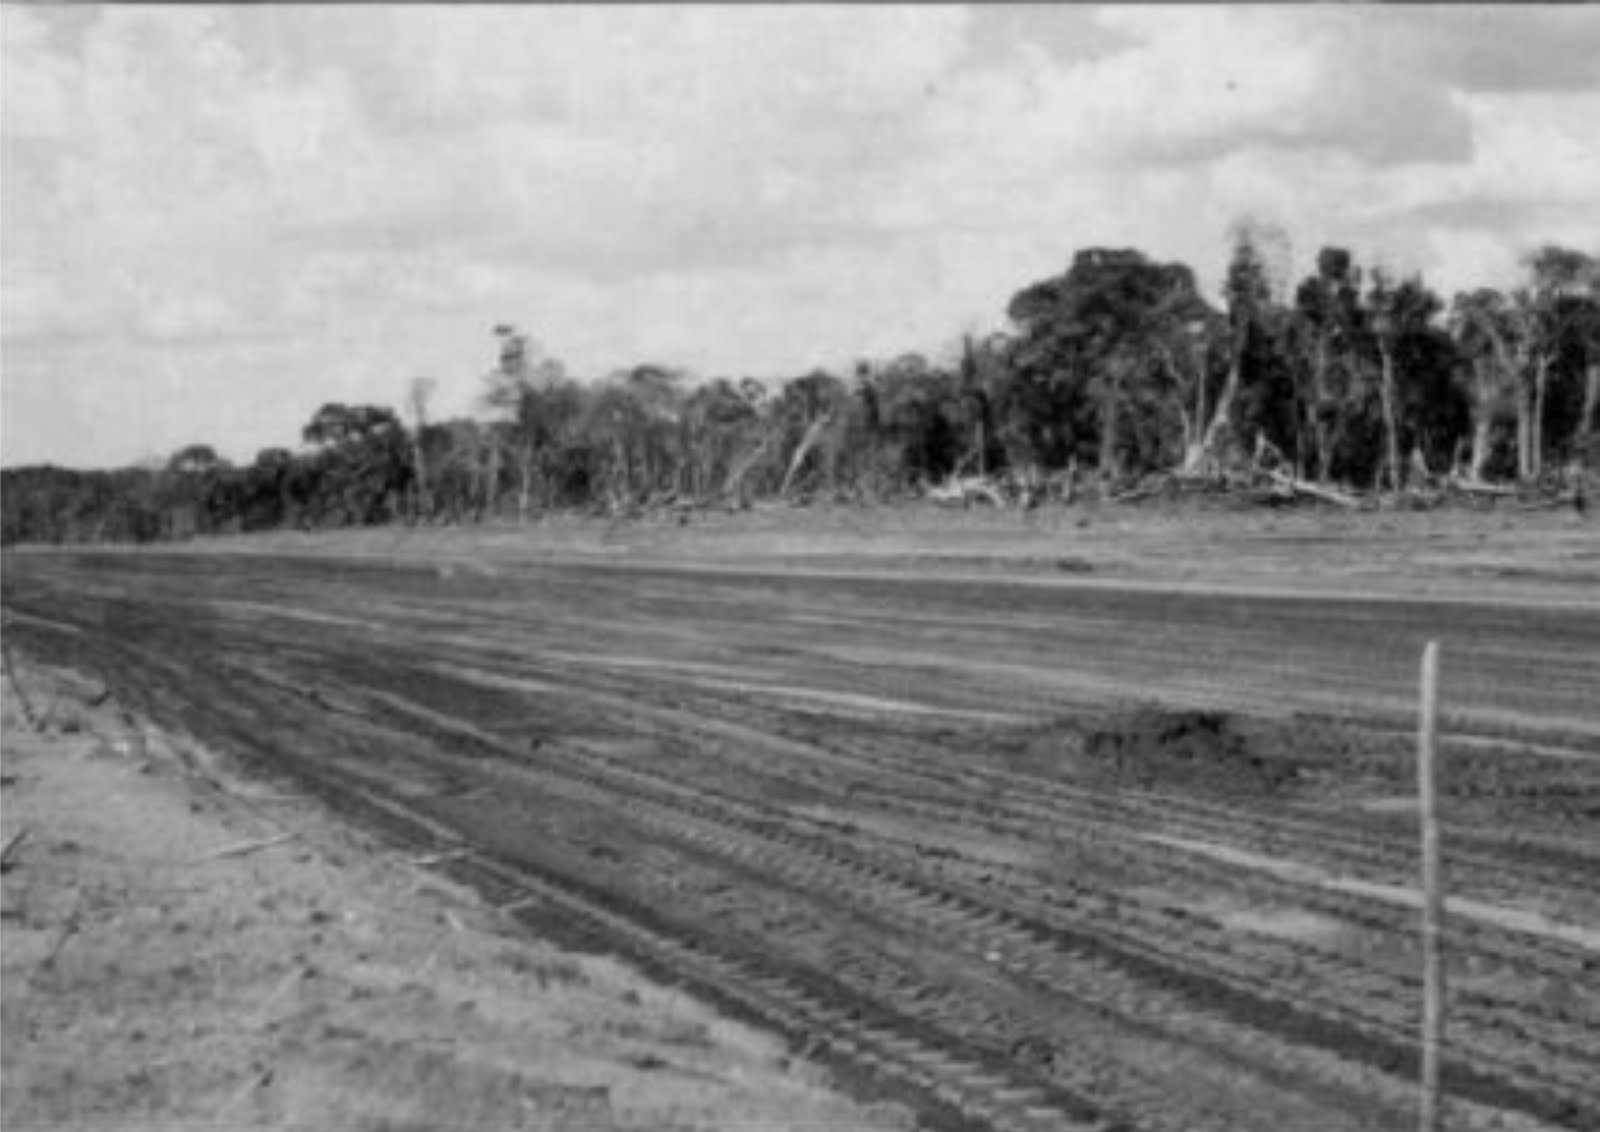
column 1327, row 121
column 216, row 218
column 1536, row 147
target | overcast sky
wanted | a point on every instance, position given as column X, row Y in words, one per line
column 216, row 219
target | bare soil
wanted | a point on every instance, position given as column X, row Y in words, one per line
column 1021, row 847
column 183, row 948
column 1549, row 557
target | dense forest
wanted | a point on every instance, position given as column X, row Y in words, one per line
column 1114, row 369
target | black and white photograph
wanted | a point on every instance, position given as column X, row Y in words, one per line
column 762, row 567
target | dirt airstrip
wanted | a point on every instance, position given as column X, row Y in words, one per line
column 187, row 949
column 1124, row 845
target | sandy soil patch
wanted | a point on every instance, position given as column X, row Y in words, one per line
column 184, row 951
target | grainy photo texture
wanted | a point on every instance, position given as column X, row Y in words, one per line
column 971, row 568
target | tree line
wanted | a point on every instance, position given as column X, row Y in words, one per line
column 1116, row 367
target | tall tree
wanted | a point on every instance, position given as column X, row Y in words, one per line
column 633, row 426
column 1327, row 333
column 806, row 409
column 977, row 377
column 1250, row 289
column 191, row 488
column 363, row 462
column 1555, row 308
column 268, row 489
column 718, row 423
column 1587, row 331
column 1385, row 321
column 521, row 374
column 1108, row 320
column 1486, row 332
column 418, row 394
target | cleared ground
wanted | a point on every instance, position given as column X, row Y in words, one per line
column 1026, row 828
column 183, row 949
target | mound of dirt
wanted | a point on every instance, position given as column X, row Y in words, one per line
column 1160, row 747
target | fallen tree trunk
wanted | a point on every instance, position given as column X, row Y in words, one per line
column 1142, row 491
column 807, row 443
column 1315, row 491
column 963, row 490
column 1478, row 487
column 734, row 484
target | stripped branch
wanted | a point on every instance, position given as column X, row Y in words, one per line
column 246, row 847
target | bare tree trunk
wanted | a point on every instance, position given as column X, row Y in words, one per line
column 1591, row 401
column 1391, row 425
column 621, row 470
column 734, row 484
column 472, row 502
column 1222, row 414
column 807, row 442
column 1483, row 403
column 1108, row 466
column 417, row 395
column 1480, row 445
column 525, row 483
column 1420, row 472
column 1524, row 430
column 1319, row 429
column 491, row 482
column 1299, row 419
column 1193, row 423
column 1541, row 381
column 420, row 465
column 1193, row 451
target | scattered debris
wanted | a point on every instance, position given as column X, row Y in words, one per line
column 963, row 491
column 259, row 1081
column 12, row 846
column 69, row 928
column 1271, row 480
column 1294, row 486
column 429, row 859
column 1478, row 487
column 245, row 847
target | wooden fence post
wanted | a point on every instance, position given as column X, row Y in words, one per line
column 1432, row 895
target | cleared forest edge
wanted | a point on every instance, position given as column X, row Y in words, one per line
column 184, row 948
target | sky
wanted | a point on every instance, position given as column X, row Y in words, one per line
column 213, row 220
